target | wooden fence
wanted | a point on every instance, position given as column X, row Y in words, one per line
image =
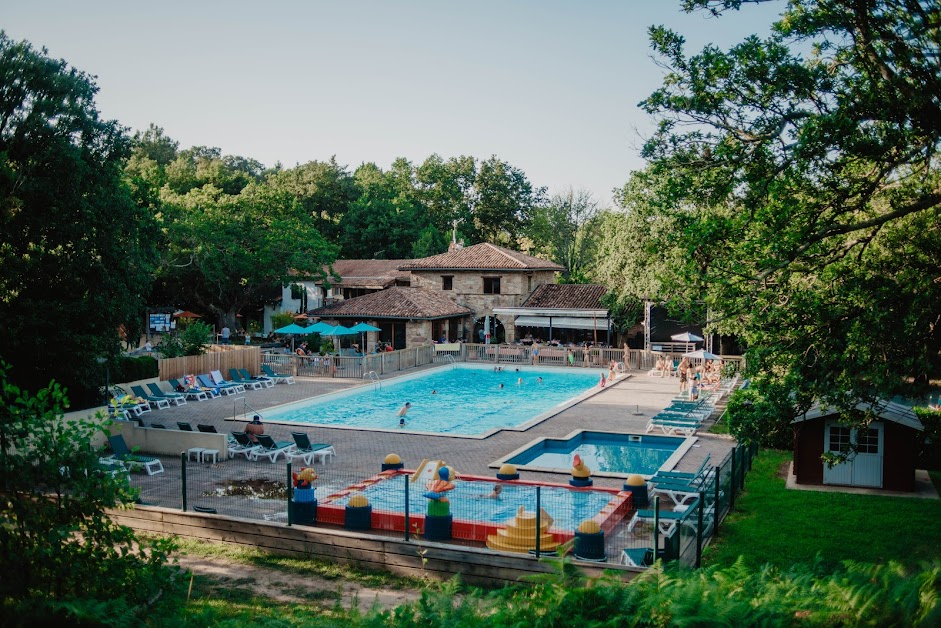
column 417, row 559
column 219, row 358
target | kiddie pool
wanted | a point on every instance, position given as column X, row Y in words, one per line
column 476, row 518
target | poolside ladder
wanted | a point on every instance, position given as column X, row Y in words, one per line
column 245, row 407
column 374, row 378
column 450, row 358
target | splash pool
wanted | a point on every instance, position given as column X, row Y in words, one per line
column 476, row 517
column 455, row 400
column 605, row 453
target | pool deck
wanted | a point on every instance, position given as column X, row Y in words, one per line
column 624, row 406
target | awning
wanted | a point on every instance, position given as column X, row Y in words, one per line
column 563, row 322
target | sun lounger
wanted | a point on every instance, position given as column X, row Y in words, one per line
column 309, row 452
column 277, row 377
column 207, row 383
column 247, row 383
column 152, row 465
column 270, row 449
column 176, row 398
column 265, row 381
column 207, row 429
column 184, row 426
column 218, row 380
column 667, row 520
column 192, row 394
column 153, row 401
column 637, row 556
column 192, row 388
column 673, row 426
column 683, row 475
column 243, row 446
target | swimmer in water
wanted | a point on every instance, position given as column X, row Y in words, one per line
column 501, row 386
column 539, row 380
column 519, row 382
column 494, row 494
column 434, row 392
column 402, row 412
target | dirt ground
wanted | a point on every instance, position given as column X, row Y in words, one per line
column 288, row 587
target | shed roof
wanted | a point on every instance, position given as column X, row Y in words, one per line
column 397, row 302
column 484, row 256
column 885, row 410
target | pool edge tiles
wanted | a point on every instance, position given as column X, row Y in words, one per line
column 362, row 388
column 685, row 444
column 612, row 513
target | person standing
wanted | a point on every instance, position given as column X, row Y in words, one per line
column 225, row 334
column 402, row 412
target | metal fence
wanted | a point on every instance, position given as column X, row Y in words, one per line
column 604, row 524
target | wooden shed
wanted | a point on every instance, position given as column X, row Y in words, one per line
column 885, row 456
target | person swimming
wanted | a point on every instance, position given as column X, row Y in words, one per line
column 434, row 392
column 519, row 382
column 494, row 494
column 501, row 386
column 538, row 380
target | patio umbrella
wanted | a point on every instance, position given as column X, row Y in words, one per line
column 686, row 337
column 319, row 328
column 186, row 314
column 701, row 354
column 362, row 328
column 339, row 330
column 293, row 329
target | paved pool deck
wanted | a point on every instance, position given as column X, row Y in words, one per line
column 623, row 406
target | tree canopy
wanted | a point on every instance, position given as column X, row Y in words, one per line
column 75, row 250
column 793, row 188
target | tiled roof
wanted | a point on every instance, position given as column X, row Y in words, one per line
column 369, row 273
column 567, row 296
column 396, row 302
column 484, row 256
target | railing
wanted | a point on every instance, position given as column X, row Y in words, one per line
column 374, row 378
column 355, row 367
column 245, row 406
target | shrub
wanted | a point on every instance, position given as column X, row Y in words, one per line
column 194, row 339
column 929, row 441
column 64, row 559
column 130, row 369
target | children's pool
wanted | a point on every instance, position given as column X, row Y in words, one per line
column 468, row 501
column 603, row 452
column 456, row 400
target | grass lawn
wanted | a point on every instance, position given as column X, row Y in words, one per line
column 771, row 524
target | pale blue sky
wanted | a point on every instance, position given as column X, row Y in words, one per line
column 551, row 87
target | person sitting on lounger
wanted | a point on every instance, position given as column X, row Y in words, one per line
column 255, row 428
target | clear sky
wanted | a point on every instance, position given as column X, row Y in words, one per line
column 551, row 87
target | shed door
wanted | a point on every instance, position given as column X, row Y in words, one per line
column 863, row 469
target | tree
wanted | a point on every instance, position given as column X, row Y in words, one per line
column 226, row 251
column 565, row 231
column 324, row 190
column 798, row 180
column 64, row 559
column 505, row 202
column 75, row 252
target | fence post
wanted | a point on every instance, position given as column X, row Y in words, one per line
column 733, row 485
column 538, row 520
column 183, row 459
column 656, row 526
column 407, row 524
column 702, row 504
column 717, row 506
column 743, row 462
column 290, row 494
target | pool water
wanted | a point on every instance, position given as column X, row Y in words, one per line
column 602, row 452
column 468, row 501
column 462, row 400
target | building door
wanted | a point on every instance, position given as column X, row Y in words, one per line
column 864, row 468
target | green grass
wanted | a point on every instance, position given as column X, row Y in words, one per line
column 300, row 566
column 774, row 525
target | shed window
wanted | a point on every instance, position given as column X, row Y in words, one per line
column 447, row 282
column 491, row 285
column 839, row 438
column 868, row 441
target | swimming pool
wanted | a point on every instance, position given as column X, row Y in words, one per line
column 454, row 400
column 605, row 453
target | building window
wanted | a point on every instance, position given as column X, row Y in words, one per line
column 839, row 439
column 868, row 441
column 447, row 282
column 491, row 285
